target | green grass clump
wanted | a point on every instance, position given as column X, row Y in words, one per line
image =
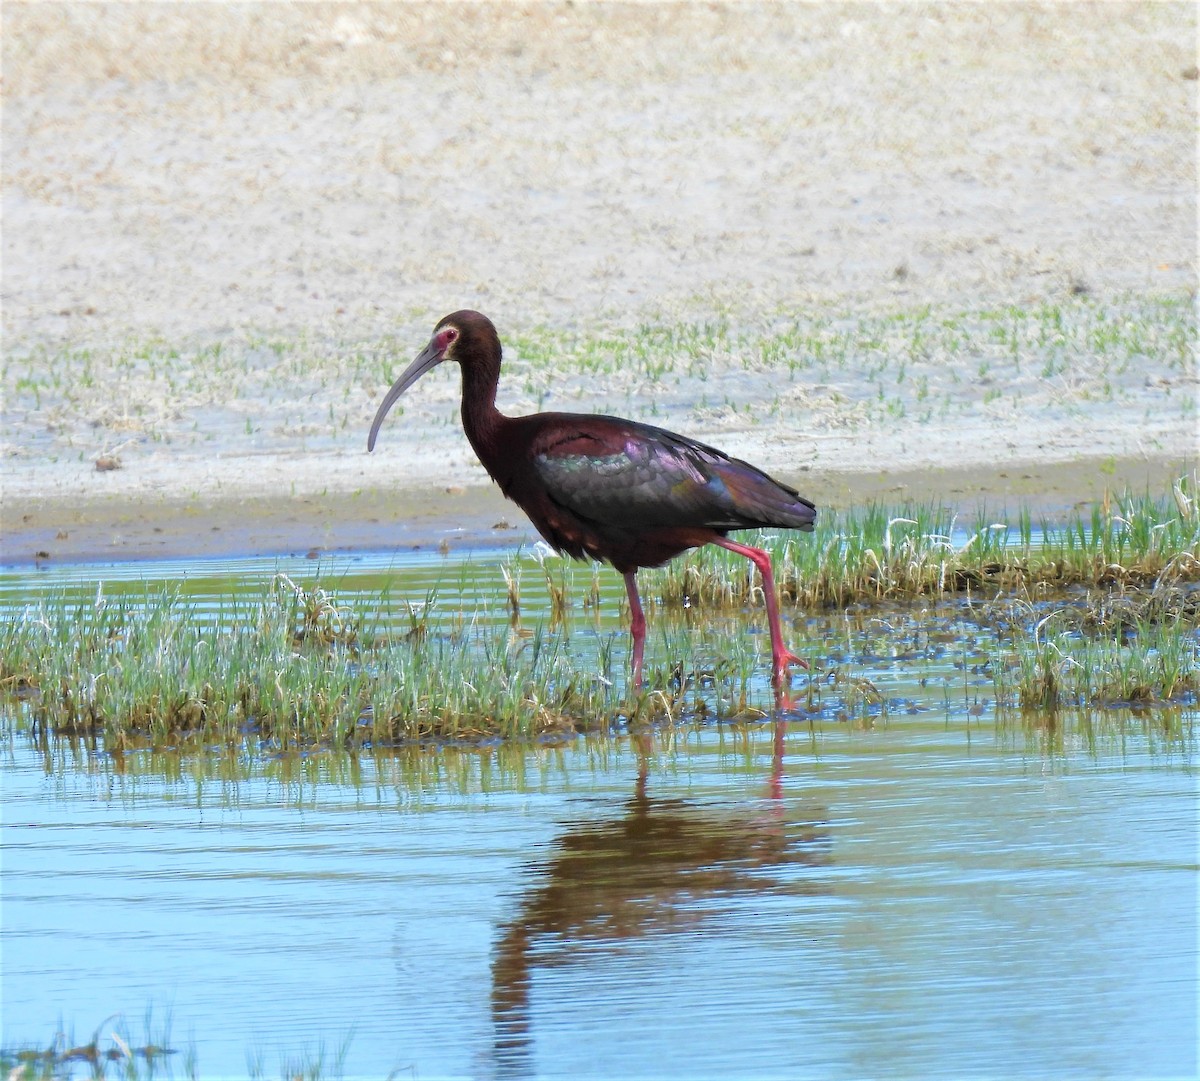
column 287, row 669
column 157, row 669
column 1150, row 663
column 883, row 553
column 292, row 669
column 508, row 685
column 1104, row 610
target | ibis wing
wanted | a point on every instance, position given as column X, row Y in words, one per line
column 635, row 477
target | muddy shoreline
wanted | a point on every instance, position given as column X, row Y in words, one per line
column 165, row 526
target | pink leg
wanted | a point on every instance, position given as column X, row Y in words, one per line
column 637, row 625
column 780, row 656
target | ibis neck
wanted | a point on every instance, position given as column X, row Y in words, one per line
column 482, row 421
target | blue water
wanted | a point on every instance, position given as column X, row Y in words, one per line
column 938, row 892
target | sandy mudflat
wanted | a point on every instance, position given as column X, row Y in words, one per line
column 289, row 197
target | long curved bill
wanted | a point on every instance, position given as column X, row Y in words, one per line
column 429, row 357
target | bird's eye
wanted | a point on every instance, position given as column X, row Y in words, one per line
column 449, row 335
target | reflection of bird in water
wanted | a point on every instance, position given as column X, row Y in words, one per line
column 663, row 865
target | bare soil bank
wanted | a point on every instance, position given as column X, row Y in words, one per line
column 166, row 526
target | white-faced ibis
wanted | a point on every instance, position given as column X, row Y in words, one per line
column 606, row 488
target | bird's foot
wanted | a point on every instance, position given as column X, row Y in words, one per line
column 781, row 661
column 781, row 678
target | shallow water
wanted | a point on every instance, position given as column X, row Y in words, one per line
column 940, row 891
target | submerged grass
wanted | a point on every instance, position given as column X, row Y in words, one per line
column 1101, row 611
column 112, row 1052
